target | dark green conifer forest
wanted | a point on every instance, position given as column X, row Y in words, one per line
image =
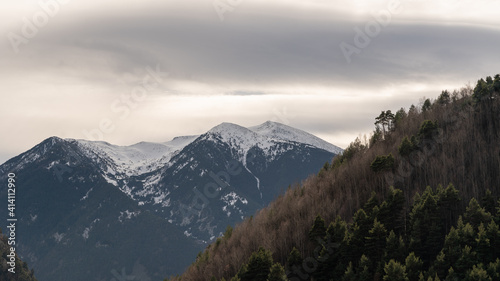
column 21, row 271
column 418, row 199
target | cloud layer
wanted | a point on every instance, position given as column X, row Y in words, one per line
column 235, row 61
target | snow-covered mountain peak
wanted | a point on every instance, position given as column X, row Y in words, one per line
column 278, row 131
column 229, row 128
column 137, row 159
column 181, row 141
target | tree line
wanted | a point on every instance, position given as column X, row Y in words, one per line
column 451, row 139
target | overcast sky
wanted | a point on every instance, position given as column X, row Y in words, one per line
column 150, row 70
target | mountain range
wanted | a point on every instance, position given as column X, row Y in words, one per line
column 95, row 211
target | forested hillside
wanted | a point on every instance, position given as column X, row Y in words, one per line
column 21, row 270
column 417, row 200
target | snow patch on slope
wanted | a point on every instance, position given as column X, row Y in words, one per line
column 125, row 161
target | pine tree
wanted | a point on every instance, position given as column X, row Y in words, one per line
column 375, row 241
column 466, row 260
column 359, row 231
column 478, row 273
column 277, row 273
column 488, row 202
column 332, row 264
column 349, row 274
column 318, row 230
column 413, row 265
column 476, row 215
column 363, row 271
column 395, row 248
column 493, row 236
column 493, row 269
column 483, row 247
column 370, row 205
column 452, row 247
column 394, row 271
column 258, row 266
column 452, row 276
column 427, row 105
column 294, row 264
column 406, row 147
column 427, row 129
column 294, row 258
column 448, row 200
column 393, row 216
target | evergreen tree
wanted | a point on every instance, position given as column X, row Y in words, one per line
column 452, row 247
column 426, row 233
column 294, row 264
column 478, row 273
column 444, row 98
column 318, row 230
column 277, row 273
column 413, row 265
column 381, row 120
column 406, row 147
column 466, row 260
column 383, row 163
column 488, row 202
column 258, row 266
column 493, row 269
column 391, row 214
column 349, row 274
column 371, row 204
column 395, row 247
column 448, row 200
column 427, row 105
column 359, row 231
column 476, row 215
column 294, row 258
column 452, row 276
column 493, row 237
column 394, row 271
column 399, row 116
column 363, row 271
column 375, row 241
column 427, row 129
column 333, row 264
column 483, row 247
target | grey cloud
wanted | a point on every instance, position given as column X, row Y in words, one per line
column 270, row 49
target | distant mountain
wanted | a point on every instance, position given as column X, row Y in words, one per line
column 96, row 211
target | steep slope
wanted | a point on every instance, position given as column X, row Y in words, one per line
column 229, row 173
column 68, row 213
column 454, row 139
